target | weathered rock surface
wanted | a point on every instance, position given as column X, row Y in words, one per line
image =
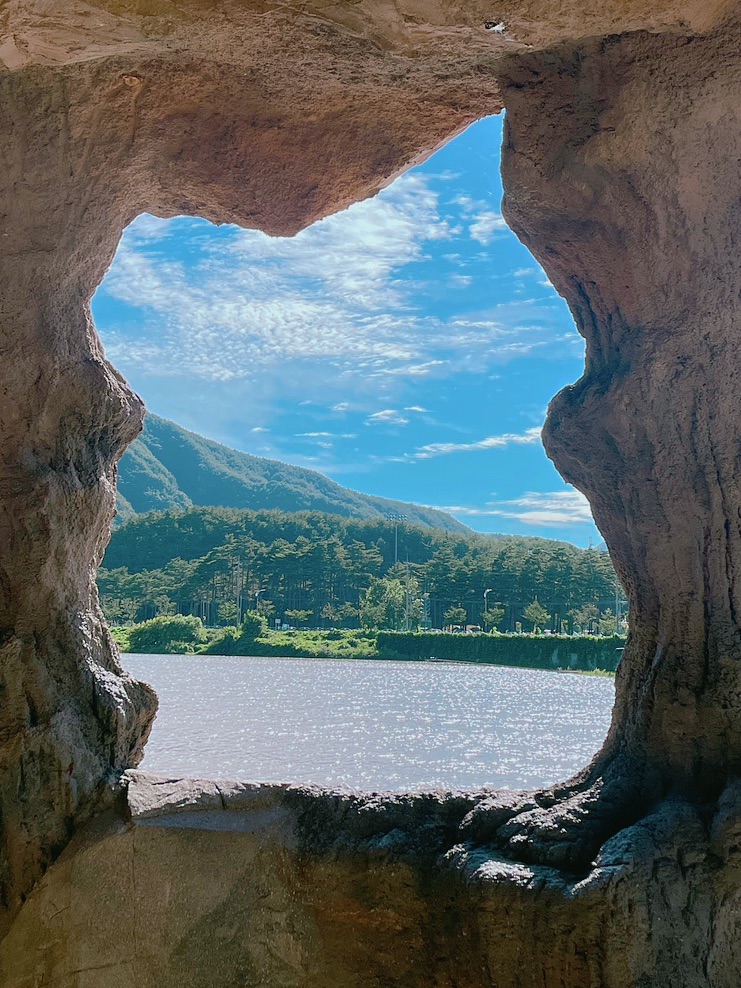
column 224, row 884
column 622, row 173
column 634, row 214
column 217, row 114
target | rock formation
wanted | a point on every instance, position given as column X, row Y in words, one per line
column 211, row 884
column 621, row 168
column 214, row 118
column 622, row 172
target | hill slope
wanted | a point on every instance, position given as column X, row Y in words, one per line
column 209, row 561
column 168, row 467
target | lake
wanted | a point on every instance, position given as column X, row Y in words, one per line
column 370, row 725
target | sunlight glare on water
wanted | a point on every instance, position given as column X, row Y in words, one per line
column 370, row 725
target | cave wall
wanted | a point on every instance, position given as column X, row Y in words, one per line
column 212, row 884
column 621, row 167
column 217, row 120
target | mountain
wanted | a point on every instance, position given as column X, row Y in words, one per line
column 168, row 467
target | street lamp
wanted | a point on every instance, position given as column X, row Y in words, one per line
column 486, row 603
column 257, row 598
column 395, row 517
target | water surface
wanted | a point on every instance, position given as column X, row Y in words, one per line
column 369, row 724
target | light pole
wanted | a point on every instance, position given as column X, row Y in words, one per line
column 257, row 598
column 486, row 607
column 395, row 517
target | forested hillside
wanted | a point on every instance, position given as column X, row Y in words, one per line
column 310, row 568
column 168, row 467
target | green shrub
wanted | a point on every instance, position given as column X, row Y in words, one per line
column 121, row 638
column 254, row 626
column 179, row 633
column 530, row 651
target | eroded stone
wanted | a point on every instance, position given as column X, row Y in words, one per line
column 621, row 170
column 268, row 905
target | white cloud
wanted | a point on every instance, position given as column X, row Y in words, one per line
column 551, row 508
column 486, row 225
column 484, row 221
column 259, row 428
column 568, row 507
column 148, row 227
column 416, row 370
column 538, row 273
column 339, row 295
column 526, row 438
column 326, row 435
column 388, row 416
column 416, row 408
column 333, row 292
column 355, row 253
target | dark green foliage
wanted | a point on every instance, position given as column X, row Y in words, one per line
column 383, row 604
column 298, row 616
column 253, row 626
column 492, row 617
column 583, row 654
column 529, row 651
column 228, row 613
column 455, row 615
column 168, row 467
column 537, row 615
column 144, row 483
column 181, row 633
column 315, row 569
column 296, row 644
column 121, row 637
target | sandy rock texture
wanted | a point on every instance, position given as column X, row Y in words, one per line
column 58, row 32
column 269, row 121
column 621, row 164
column 621, row 167
column 227, row 884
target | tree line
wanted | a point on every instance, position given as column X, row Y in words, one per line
column 310, row 569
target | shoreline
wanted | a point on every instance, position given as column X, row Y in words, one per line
column 586, row 655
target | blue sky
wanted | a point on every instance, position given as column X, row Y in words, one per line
column 406, row 347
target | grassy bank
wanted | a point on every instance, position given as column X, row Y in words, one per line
column 600, row 673
column 297, row 644
column 575, row 652
column 121, row 638
column 564, row 652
